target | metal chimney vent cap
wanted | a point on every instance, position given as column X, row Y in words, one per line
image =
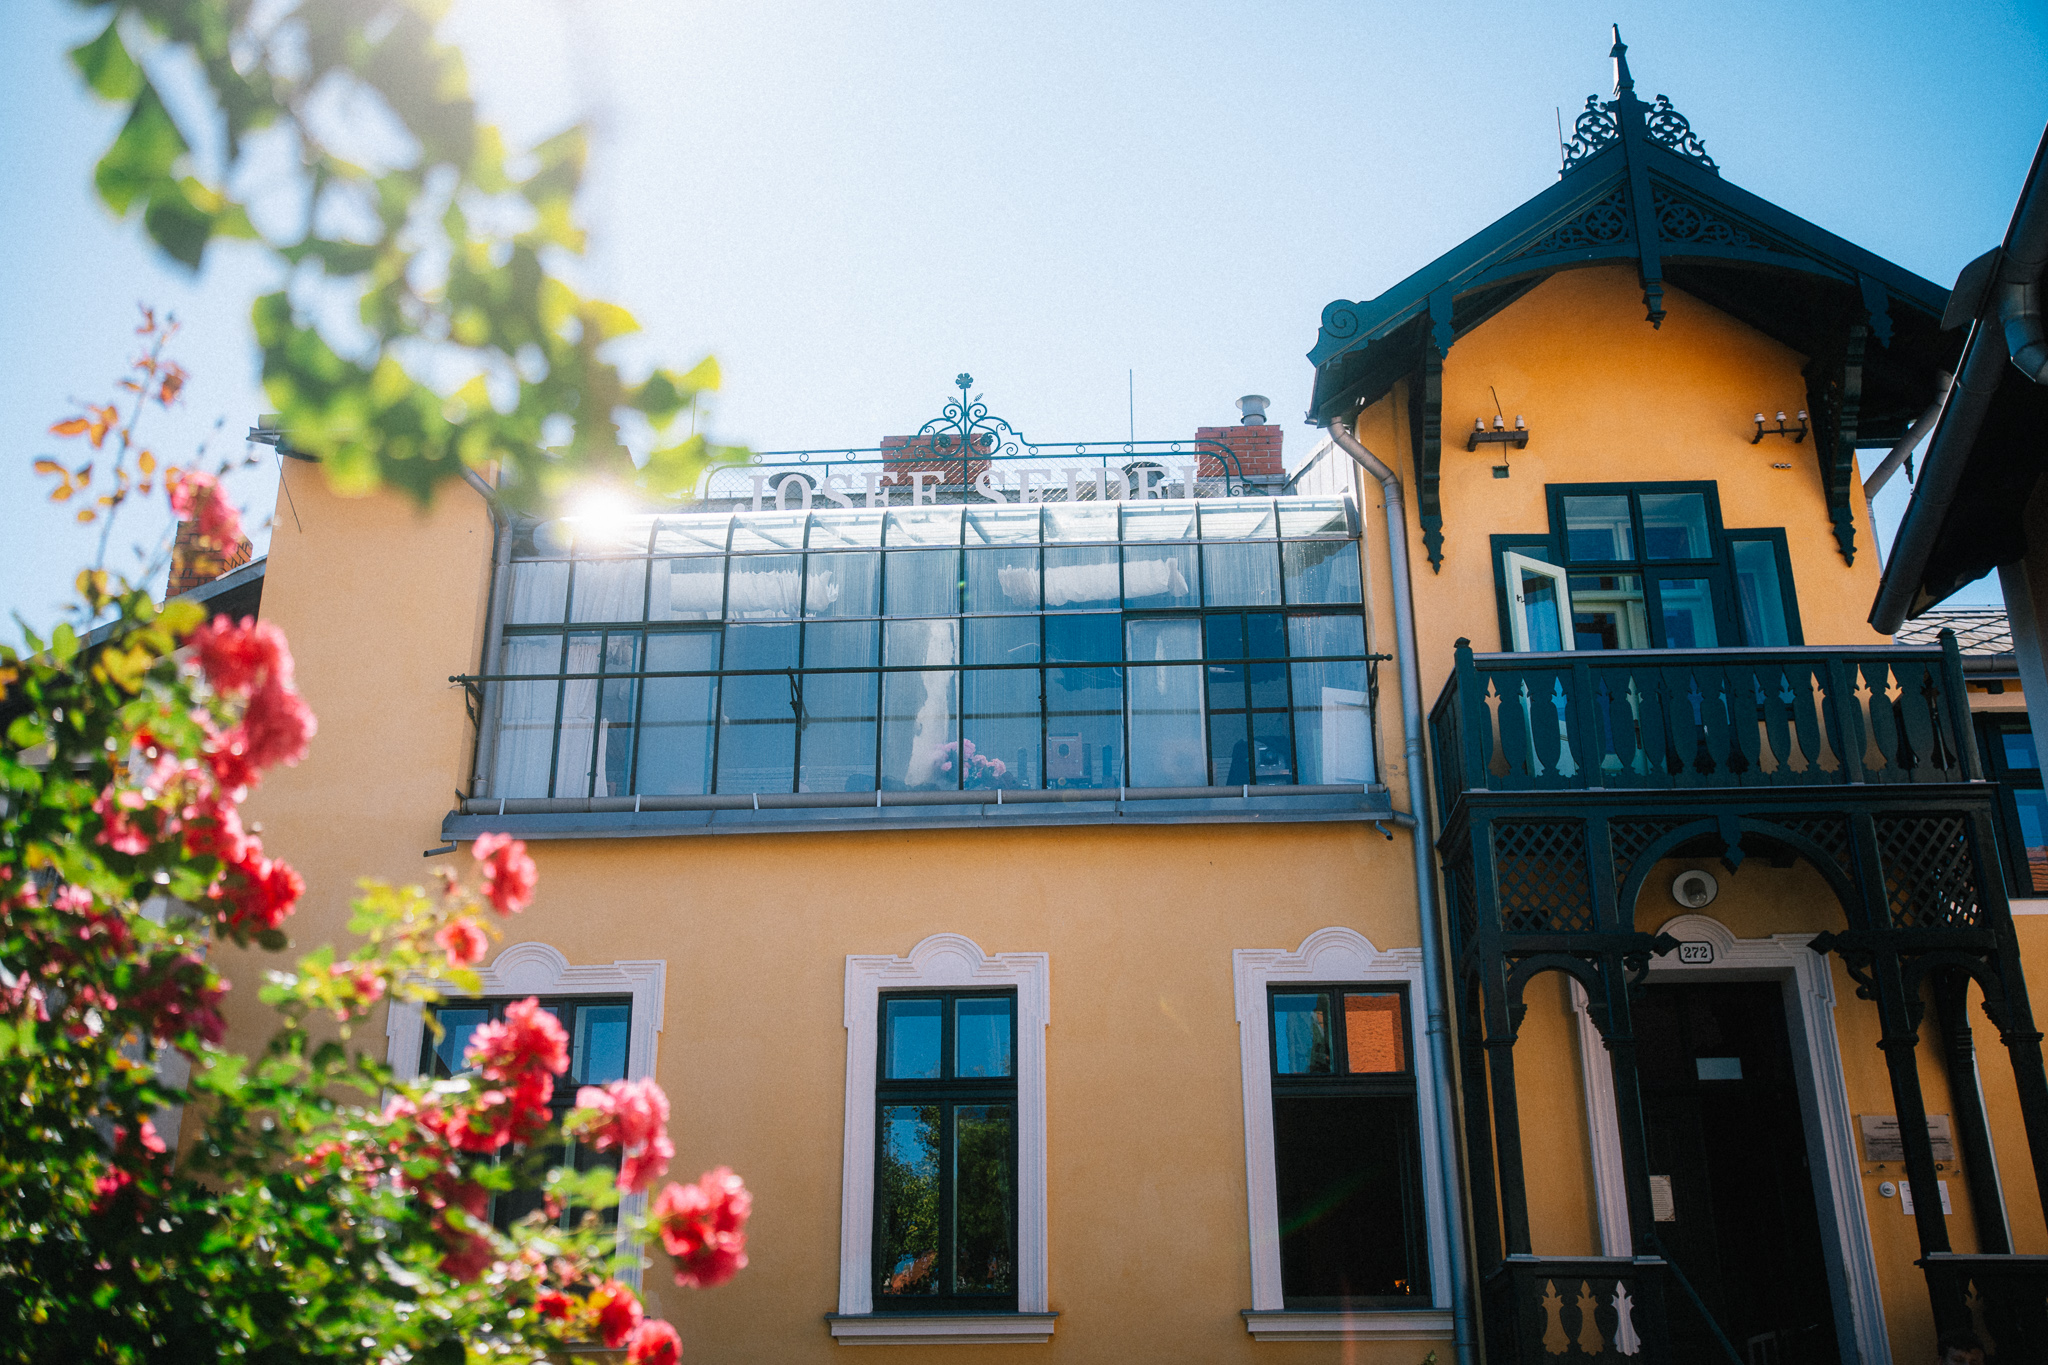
column 1253, row 406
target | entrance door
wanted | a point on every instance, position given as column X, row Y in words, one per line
column 1726, row 1139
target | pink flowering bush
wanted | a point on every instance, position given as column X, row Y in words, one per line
column 308, row 1202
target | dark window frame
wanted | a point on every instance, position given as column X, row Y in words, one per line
column 1719, row 567
column 948, row 1092
column 1991, row 728
column 1340, row 1084
column 507, row 1208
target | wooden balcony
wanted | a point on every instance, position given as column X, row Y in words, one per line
column 1666, row 720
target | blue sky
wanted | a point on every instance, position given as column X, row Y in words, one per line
column 850, row 204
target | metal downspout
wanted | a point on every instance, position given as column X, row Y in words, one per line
column 1465, row 1337
column 1899, row 453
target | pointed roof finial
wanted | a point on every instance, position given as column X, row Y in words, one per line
column 1623, row 82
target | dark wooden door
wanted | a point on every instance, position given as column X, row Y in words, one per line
column 1721, row 1102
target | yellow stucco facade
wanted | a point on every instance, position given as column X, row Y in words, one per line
column 1148, row 1254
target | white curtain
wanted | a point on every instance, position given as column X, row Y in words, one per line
column 1167, row 748
column 526, row 718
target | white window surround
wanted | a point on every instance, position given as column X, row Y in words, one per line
column 1809, row 991
column 537, row 969
column 1334, row 954
column 942, row 961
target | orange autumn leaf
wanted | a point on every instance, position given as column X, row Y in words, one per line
column 146, row 462
column 49, row 467
column 172, row 384
column 70, row 426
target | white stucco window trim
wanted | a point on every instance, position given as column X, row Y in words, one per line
column 942, row 961
column 1335, row 954
column 1809, row 992
column 538, row 969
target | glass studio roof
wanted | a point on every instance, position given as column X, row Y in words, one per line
column 706, row 533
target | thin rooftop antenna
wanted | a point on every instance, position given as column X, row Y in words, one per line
column 1131, row 385
column 1558, row 109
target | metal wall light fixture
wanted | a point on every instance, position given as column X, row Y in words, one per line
column 1797, row 434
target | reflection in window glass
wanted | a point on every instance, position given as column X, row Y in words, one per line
column 1079, row 579
column 1597, row 527
column 526, row 717
column 686, row 590
column 764, row 587
column 457, row 1024
column 907, row 1201
column 924, row 526
column 1000, row 730
column 1241, row 575
column 1002, row 578
column 1237, row 519
column 1002, row 525
column 1159, row 521
column 579, row 716
column 1761, row 593
column 676, row 716
column 1002, row 640
column 840, row 644
column 846, row 528
column 1079, row 521
column 1675, row 526
column 838, row 739
column 1084, row 712
column 984, row 1204
column 1608, row 611
column 2033, row 812
column 1538, row 592
column 923, row 582
column 843, row 585
column 1166, row 705
column 613, row 769
column 1332, row 723
column 539, row 591
column 1301, row 1035
column 768, row 530
column 2019, row 749
column 757, row 740
column 921, row 711
column 1083, row 639
column 610, row 589
column 910, row 1043
column 1688, row 609
column 1374, row 1038
column 600, row 1049
column 692, row 534
column 1160, row 576
column 981, row 1036
column 1320, row 571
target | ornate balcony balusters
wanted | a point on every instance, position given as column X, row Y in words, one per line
column 1542, row 1309
column 1708, row 718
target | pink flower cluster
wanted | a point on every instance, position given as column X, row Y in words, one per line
column 197, row 494
column 522, row 1054
column 248, row 659
column 630, row 1118
column 509, row 874
column 704, row 1226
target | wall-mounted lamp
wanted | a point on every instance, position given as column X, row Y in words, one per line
column 1500, row 435
column 1797, row 434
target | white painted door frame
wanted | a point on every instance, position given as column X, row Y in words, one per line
column 1809, row 992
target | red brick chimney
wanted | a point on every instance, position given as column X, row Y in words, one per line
column 1257, row 449
column 194, row 564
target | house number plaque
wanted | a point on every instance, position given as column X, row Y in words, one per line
column 1695, row 954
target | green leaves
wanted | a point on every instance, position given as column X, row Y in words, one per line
column 107, row 67
column 140, row 161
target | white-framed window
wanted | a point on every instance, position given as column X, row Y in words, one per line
column 948, row 969
column 537, row 969
column 1371, row 1000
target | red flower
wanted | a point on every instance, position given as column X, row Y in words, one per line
column 704, row 1227
column 468, row 1256
column 509, row 875
column 654, row 1342
column 554, row 1304
column 196, row 494
column 278, row 724
column 464, row 942
column 630, row 1117
column 236, row 656
column 526, row 1039
column 618, row 1312
column 260, row 891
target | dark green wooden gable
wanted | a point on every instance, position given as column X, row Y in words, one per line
column 1637, row 185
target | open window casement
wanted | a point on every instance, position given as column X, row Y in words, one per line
column 1539, row 604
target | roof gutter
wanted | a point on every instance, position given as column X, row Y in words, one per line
column 2008, row 325
column 1423, row 837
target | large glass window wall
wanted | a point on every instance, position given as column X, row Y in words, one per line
column 1060, row 646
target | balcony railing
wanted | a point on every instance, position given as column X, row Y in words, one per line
column 1811, row 716
column 2005, row 1297
column 1551, row 1310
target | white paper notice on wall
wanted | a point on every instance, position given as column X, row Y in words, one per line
column 1906, row 1197
column 1347, row 736
column 1662, row 1209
